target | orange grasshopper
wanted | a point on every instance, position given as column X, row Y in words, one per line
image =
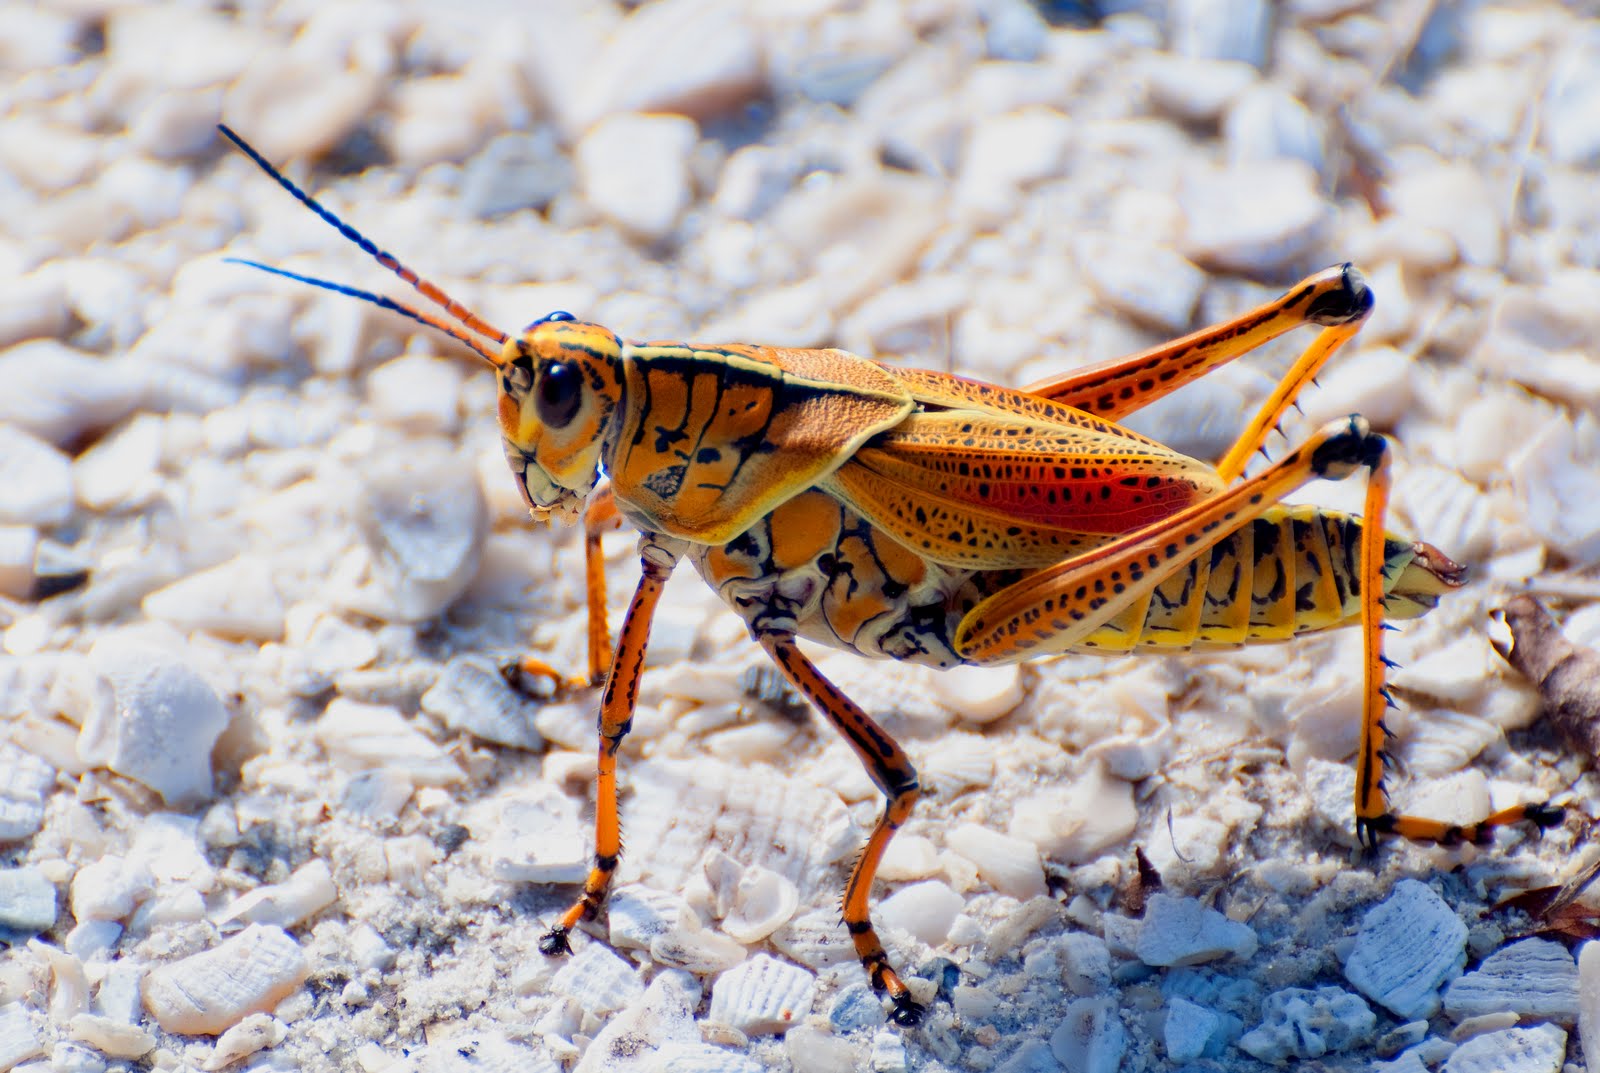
column 923, row 516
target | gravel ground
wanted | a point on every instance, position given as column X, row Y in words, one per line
column 264, row 800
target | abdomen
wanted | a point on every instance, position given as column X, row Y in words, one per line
column 1294, row 570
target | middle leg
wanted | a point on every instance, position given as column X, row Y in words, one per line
column 891, row 770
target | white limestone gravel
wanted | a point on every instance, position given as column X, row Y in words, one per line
column 260, row 560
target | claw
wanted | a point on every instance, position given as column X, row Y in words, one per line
column 907, row 1012
column 1542, row 816
column 555, row 943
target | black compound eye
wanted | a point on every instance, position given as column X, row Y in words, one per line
column 560, row 392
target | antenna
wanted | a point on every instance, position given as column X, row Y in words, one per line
column 470, row 320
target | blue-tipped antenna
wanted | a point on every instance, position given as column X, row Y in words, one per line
column 470, row 320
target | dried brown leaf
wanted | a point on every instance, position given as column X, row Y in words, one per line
column 1567, row 676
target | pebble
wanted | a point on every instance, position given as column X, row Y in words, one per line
column 71, row 1058
column 59, row 393
column 161, row 720
column 888, row 1053
column 376, row 796
column 1032, row 1057
column 1007, row 152
column 210, row 992
column 111, row 1038
column 925, row 910
column 425, row 519
column 360, row 737
column 597, row 980
column 257, row 1032
column 472, row 695
column 35, row 480
column 855, row 1008
column 1400, row 1037
column 1197, row 90
column 1085, row 963
column 122, row 471
column 1537, row 336
column 1091, row 1038
column 1589, row 996
column 1409, row 946
column 909, row 857
column 307, row 891
column 657, row 1017
column 534, row 837
column 27, row 903
column 1456, row 200
column 322, row 650
column 416, row 393
column 1267, row 123
column 1191, row 1031
column 1302, row 1023
column 92, row 939
column 811, row 1050
column 1014, row 30
column 25, row 779
column 636, row 915
column 981, row 694
column 515, row 171
column 1221, row 29
column 1147, row 281
column 694, row 948
column 1570, row 104
column 118, row 996
column 1534, row 978
column 1252, row 220
column 1078, row 821
column 1374, row 382
column 1547, row 476
column 1181, row 931
column 1009, row 865
column 236, row 599
column 1535, row 1049
column 644, row 201
column 628, row 76
column 19, row 546
column 762, row 995
column 32, row 306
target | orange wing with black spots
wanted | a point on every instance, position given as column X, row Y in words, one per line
column 993, row 491
column 715, row 438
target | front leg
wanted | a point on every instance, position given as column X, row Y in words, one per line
column 617, row 704
column 599, row 516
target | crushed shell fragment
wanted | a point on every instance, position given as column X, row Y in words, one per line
column 214, row 990
column 762, row 995
column 1408, row 946
column 1531, row 1049
column 1181, row 931
column 1536, row 979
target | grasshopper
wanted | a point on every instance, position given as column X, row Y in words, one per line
column 923, row 516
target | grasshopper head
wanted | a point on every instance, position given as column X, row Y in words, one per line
column 560, row 382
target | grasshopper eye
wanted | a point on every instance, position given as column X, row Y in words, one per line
column 560, row 392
